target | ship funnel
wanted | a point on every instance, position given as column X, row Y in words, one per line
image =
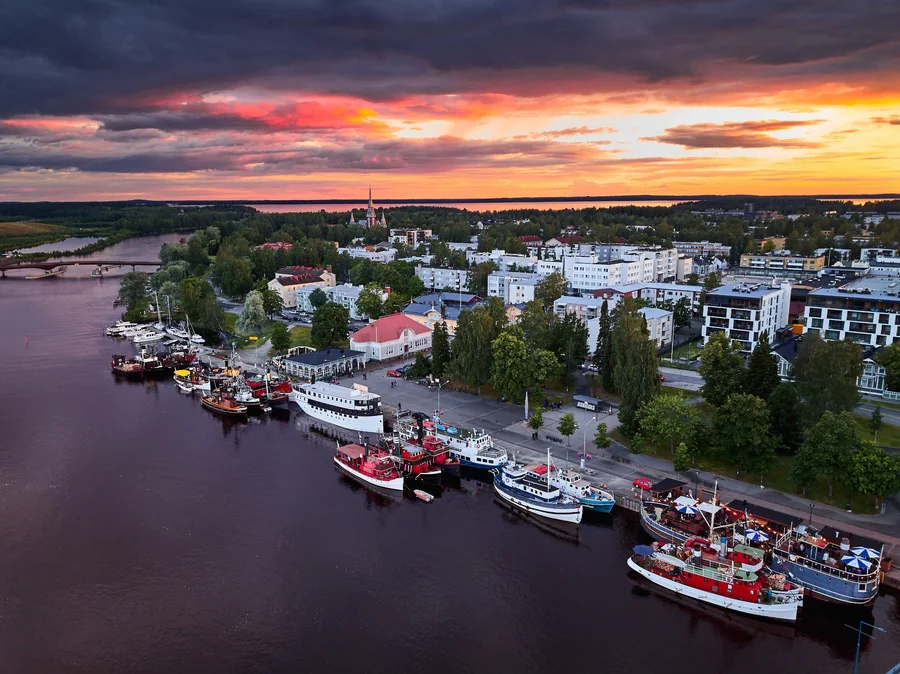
column 845, row 546
column 723, row 546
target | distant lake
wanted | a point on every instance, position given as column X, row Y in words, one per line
column 66, row 245
column 479, row 206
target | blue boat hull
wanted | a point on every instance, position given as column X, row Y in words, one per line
column 479, row 466
column 598, row 505
column 829, row 586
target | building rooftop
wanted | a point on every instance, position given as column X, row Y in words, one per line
column 744, row 290
column 585, row 301
column 324, row 356
column 875, row 287
column 448, row 297
column 631, row 287
column 387, row 329
column 653, row 312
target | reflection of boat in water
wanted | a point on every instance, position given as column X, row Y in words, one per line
column 564, row 531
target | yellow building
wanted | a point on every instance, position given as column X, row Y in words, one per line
column 782, row 262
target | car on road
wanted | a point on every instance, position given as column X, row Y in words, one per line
column 662, row 377
column 642, row 483
column 394, row 373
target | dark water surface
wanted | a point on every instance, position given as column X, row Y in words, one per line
column 138, row 533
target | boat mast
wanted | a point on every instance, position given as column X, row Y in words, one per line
column 548, row 468
column 168, row 311
column 159, row 323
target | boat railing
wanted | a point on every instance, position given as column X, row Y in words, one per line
column 800, row 558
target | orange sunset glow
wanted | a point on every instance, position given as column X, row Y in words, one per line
column 464, row 101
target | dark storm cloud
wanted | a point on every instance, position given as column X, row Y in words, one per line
column 107, row 56
column 733, row 134
column 435, row 154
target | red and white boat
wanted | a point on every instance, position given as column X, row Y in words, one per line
column 370, row 465
column 734, row 580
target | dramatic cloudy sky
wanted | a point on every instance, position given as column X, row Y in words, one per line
column 274, row 99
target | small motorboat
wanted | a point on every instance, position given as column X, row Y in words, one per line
column 223, row 405
column 184, row 387
column 423, row 495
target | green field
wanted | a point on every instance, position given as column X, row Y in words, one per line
column 888, row 436
column 27, row 233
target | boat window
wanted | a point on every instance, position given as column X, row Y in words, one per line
column 863, row 587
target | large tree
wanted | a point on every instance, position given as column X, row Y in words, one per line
column 536, row 323
column 742, row 428
column 516, row 368
column 874, row 472
column 567, row 425
column 603, row 353
column 281, row 338
column 827, row 450
column 329, row 325
column 551, row 289
column 478, row 278
column 318, row 298
column 133, row 291
column 370, row 301
column 635, row 365
column 472, row 347
column 761, row 375
column 198, row 299
column 722, row 369
column 787, row 421
column 681, row 312
column 669, row 420
column 272, row 301
column 825, row 374
column 890, row 359
column 253, row 315
column 440, row 349
column 568, row 340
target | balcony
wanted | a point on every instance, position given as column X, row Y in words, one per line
column 717, row 322
column 744, row 325
column 867, row 328
column 859, row 316
column 834, row 313
column 835, row 325
column 742, row 314
column 739, row 335
column 718, row 312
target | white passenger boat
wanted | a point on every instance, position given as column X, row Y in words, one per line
column 528, row 488
column 473, row 448
column 147, row 336
column 354, row 408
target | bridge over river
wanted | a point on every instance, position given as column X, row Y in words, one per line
column 56, row 267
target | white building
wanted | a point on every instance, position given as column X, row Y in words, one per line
column 391, row 337
column 513, row 287
column 865, row 311
column 382, row 256
column 504, row 261
column 291, row 282
column 702, row 248
column 437, row 278
column 744, row 311
column 663, row 292
column 586, row 308
column 409, row 237
column 660, row 324
column 344, row 294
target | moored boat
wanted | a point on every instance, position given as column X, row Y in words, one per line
column 415, row 463
column 473, row 448
column 733, row 580
column 423, row 495
column 528, row 488
column 120, row 327
column 192, row 379
column 353, row 408
column 127, row 367
column 224, row 405
column 370, row 465
column 572, row 483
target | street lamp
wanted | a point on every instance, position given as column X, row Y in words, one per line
column 440, row 385
column 584, row 440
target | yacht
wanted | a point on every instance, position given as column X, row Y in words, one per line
column 119, row 328
column 573, row 484
column 354, row 408
column 178, row 332
column 147, row 336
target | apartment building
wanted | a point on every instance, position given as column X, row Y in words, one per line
column 702, row 248
column 291, row 281
column 865, row 311
column 514, row 287
column 660, row 325
column 437, row 278
column 781, row 264
column 585, row 308
column 662, row 292
column 744, row 311
column 369, row 253
column 410, row 237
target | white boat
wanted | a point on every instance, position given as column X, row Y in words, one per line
column 573, row 484
column 197, row 339
column 178, row 332
column 354, row 408
column 147, row 336
column 528, row 488
column 184, row 387
column 120, row 327
column 473, row 448
column 725, row 582
column 369, row 465
column 423, row 495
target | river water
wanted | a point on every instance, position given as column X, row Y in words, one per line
column 142, row 534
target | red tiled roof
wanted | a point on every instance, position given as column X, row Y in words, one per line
column 530, row 237
column 276, row 245
column 387, row 329
column 569, row 239
column 301, row 274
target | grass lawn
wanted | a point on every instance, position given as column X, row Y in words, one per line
column 777, row 478
column 30, row 227
column 882, row 403
column 888, row 436
column 301, row 335
column 688, row 351
column 680, row 392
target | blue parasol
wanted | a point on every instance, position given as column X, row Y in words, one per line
column 686, row 509
column 756, row 535
column 854, row 562
column 643, row 550
column 865, row 553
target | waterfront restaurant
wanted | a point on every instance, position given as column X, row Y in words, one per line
column 322, row 364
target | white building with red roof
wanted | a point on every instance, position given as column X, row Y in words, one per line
column 391, row 337
column 289, row 281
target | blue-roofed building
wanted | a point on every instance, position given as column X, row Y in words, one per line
column 443, row 307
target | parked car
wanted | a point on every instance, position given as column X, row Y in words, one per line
column 394, row 373
column 642, row 483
